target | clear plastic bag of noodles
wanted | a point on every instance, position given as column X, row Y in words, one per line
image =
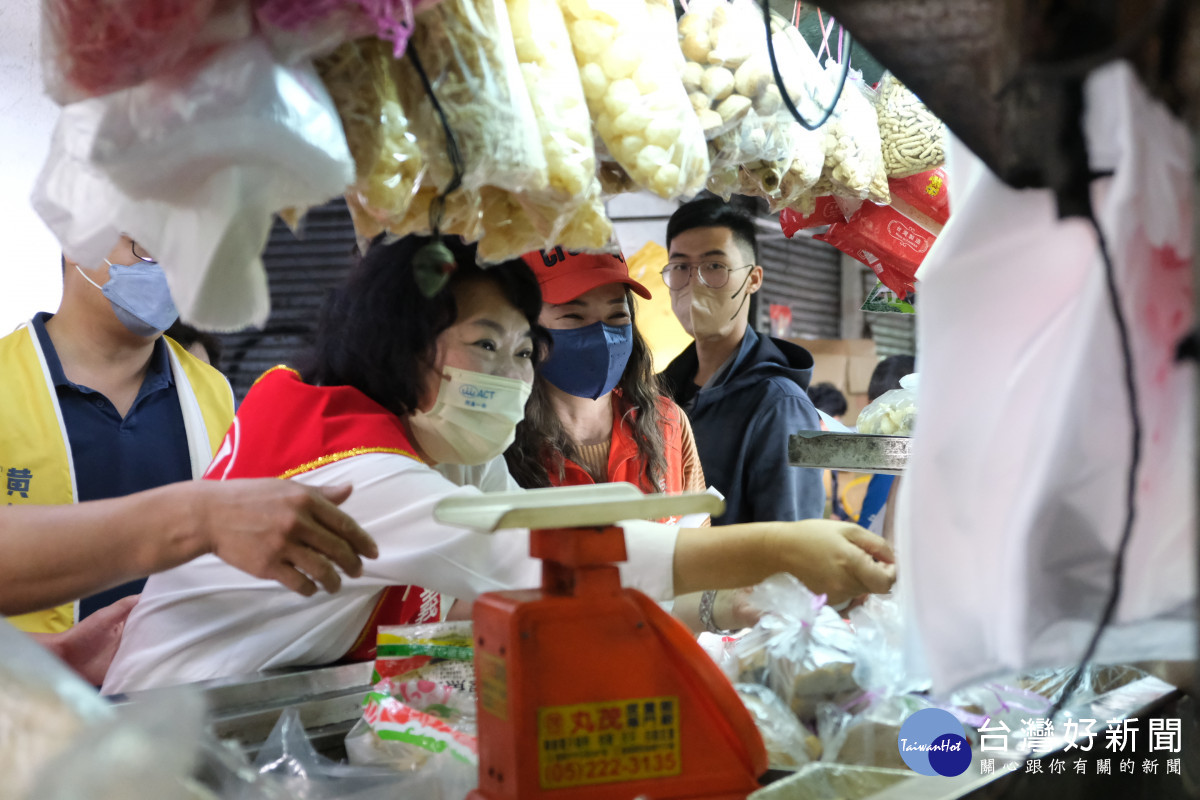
column 572, row 203
column 466, row 50
column 914, row 140
column 635, row 96
column 388, row 163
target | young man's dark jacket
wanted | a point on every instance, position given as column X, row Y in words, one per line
column 742, row 422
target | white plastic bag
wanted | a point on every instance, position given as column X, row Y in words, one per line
column 195, row 171
column 1014, row 502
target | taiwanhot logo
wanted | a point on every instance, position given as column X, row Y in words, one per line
column 932, row 742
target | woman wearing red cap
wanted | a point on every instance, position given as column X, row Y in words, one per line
column 596, row 414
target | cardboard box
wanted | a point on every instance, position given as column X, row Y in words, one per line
column 846, row 363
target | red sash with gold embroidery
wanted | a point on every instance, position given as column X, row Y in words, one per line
column 286, row 427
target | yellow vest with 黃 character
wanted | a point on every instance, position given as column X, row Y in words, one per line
column 36, row 467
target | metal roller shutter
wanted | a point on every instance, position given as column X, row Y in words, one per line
column 804, row 274
column 301, row 272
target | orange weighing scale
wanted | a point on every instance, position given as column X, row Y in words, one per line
column 588, row 689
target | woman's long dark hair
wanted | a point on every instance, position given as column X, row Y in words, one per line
column 378, row 332
column 542, row 440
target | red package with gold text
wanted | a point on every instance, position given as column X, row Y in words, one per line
column 885, row 240
column 926, row 193
column 826, row 212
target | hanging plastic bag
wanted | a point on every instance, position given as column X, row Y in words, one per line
column 1042, row 475
column 893, row 413
column 571, row 206
column 825, row 212
column 924, row 198
column 388, row 163
column 90, row 48
column 913, row 139
column 635, row 96
column 885, row 240
column 853, row 151
column 718, row 38
column 195, row 172
column 466, row 49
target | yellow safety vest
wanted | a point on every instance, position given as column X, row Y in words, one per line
column 35, row 459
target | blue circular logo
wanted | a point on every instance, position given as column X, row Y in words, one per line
column 932, row 742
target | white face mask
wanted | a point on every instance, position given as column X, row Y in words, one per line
column 474, row 418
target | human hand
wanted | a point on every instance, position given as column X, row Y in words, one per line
column 732, row 609
column 838, row 559
column 89, row 646
column 284, row 531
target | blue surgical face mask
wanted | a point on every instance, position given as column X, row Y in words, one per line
column 139, row 296
column 589, row 361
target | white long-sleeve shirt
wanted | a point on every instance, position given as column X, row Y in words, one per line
column 206, row 619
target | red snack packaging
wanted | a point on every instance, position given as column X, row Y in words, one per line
column 926, row 194
column 826, row 212
column 885, row 240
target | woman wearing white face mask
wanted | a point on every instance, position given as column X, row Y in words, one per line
column 401, row 381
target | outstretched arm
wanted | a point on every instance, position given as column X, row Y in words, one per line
column 837, row 559
column 280, row 530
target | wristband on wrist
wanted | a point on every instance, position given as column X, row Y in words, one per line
column 707, row 601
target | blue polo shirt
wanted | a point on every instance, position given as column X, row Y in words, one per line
column 116, row 456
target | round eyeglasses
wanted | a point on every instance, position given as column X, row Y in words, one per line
column 140, row 253
column 713, row 274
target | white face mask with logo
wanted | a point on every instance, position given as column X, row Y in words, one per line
column 474, row 418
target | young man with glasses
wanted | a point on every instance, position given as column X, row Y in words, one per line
column 96, row 403
column 743, row 392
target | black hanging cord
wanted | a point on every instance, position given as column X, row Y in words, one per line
column 438, row 206
column 1135, row 458
column 787, row 100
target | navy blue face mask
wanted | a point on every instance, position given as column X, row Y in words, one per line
column 589, row 361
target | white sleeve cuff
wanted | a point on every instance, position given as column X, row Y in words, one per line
column 651, row 564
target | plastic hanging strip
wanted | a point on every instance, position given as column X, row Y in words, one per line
column 394, row 19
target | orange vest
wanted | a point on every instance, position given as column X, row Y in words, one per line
column 625, row 463
column 286, row 427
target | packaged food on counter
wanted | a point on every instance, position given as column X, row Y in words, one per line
column 789, row 744
column 893, row 413
column 388, row 163
column 635, row 96
column 420, row 715
column 866, row 734
column 913, row 139
column 467, row 52
column 433, row 651
column 800, row 648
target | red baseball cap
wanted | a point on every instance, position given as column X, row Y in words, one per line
column 564, row 275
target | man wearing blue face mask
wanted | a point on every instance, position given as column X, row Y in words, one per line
column 97, row 403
